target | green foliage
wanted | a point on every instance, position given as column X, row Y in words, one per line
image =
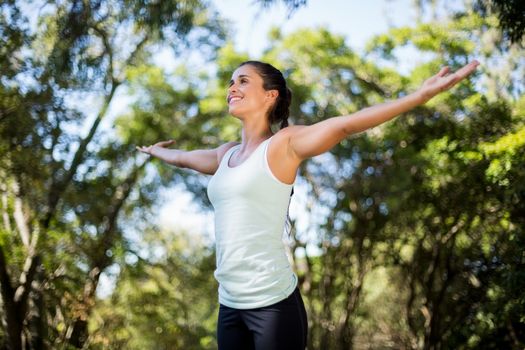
column 423, row 215
column 70, row 190
column 168, row 302
column 292, row 5
column 510, row 15
column 421, row 196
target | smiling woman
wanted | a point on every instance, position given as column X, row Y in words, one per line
column 260, row 304
column 273, row 84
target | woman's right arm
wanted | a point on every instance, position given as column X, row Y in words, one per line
column 203, row 161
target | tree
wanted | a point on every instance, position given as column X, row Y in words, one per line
column 62, row 239
column 510, row 15
column 414, row 197
column 166, row 301
column 418, row 217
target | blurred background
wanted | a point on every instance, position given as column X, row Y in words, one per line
column 408, row 236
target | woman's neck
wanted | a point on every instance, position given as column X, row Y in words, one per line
column 251, row 138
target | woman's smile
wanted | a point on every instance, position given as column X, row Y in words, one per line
column 232, row 99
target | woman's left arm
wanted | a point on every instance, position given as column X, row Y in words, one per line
column 312, row 140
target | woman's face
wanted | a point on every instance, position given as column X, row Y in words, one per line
column 246, row 94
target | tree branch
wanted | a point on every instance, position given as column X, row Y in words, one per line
column 5, row 205
column 5, row 279
column 20, row 219
column 26, row 278
column 59, row 186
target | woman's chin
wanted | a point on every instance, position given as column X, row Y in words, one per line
column 234, row 111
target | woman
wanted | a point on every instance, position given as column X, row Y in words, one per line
column 260, row 303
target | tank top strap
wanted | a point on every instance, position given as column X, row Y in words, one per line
column 226, row 157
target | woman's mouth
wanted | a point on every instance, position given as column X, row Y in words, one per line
column 232, row 99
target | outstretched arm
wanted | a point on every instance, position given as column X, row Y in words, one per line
column 204, row 161
column 312, row 140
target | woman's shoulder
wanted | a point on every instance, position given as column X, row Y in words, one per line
column 283, row 135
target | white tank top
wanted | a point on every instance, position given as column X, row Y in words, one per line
column 250, row 206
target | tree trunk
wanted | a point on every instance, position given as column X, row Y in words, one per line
column 79, row 331
column 16, row 300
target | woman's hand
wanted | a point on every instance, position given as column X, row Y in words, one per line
column 444, row 80
column 149, row 149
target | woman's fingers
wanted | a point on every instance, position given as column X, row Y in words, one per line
column 444, row 79
column 466, row 70
column 143, row 149
column 443, row 71
column 461, row 74
column 164, row 143
column 147, row 149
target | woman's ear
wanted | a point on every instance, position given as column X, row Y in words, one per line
column 272, row 94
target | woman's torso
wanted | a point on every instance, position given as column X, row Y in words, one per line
column 250, row 205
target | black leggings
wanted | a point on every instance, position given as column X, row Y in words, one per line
column 279, row 326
